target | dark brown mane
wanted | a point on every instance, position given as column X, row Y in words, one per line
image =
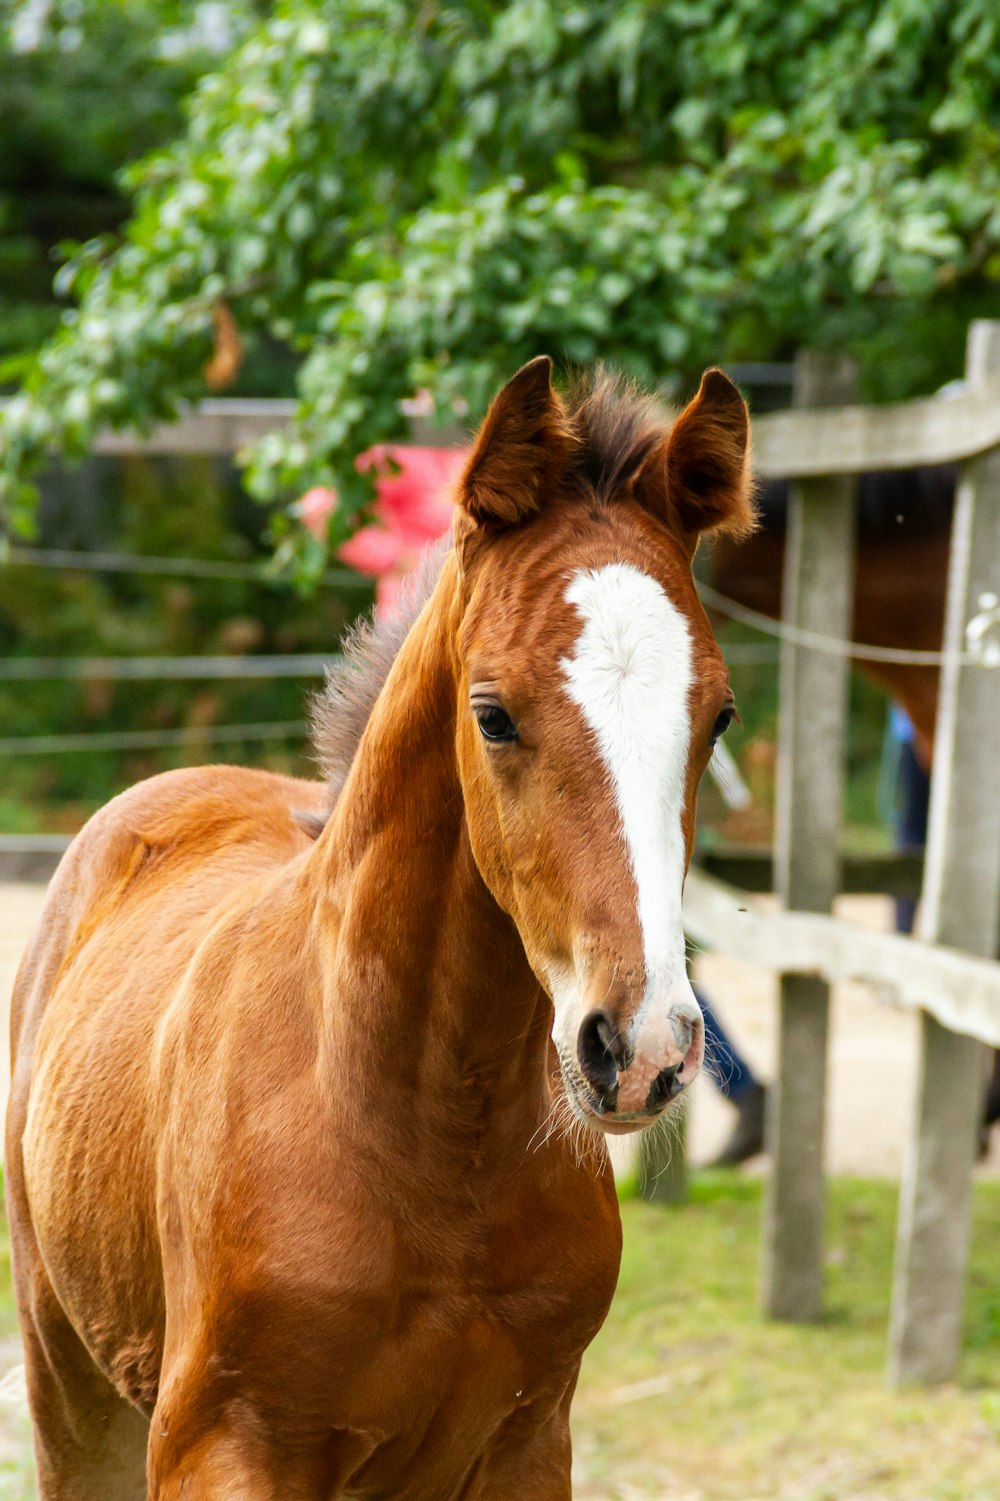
column 342, row 708
column 615, row 425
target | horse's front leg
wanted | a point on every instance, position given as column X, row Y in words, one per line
column 531, row 1457
column 231, row 1455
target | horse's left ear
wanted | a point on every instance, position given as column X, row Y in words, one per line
column 698, row 480
column 520, row 451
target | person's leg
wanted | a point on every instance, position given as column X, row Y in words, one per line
column 729, row 1070
column 734, row 1078
column 991, row 1109
column 913, row 794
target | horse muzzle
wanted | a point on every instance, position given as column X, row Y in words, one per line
column 633, row 1070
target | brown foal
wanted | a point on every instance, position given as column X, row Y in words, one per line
column 308, row 1188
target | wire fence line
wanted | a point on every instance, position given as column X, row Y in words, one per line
column 51, row 669
column 111, row 562
column 838, row 646
column 189, row 667
column 115, row 740
column 200, row 568
column 206, row 668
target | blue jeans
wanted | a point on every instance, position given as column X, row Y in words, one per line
column 726, row 1066
column 913, row 790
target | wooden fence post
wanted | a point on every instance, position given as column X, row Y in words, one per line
column 960, row 904
column 818, row 596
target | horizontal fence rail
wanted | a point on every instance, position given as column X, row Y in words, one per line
column 31, row 858
column 115, row 740
column 218, row 425
column 960, row 991
column 886, row 873
column 943, row 429
column 191, row 668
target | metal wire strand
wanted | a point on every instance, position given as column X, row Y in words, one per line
column 52, row 745
column 833, row 646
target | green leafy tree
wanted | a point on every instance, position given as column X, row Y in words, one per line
column 86, row 86
column 418, row 198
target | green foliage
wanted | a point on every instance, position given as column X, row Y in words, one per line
column 85, row 87
column 424, row 198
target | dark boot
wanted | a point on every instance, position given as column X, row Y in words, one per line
column 747, row 1136
column 991, row 1106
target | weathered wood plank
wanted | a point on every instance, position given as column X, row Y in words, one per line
column 961, row 897
column 31, row 857
column 889, row 873
column 216, row 426
column 848, row 440
column 962, row 992
column 857, row 439
column 818, row 585
column 787, row 445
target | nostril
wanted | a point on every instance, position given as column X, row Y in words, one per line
column 689, row 1036
column 612, row 1040
column 665, row 1086
column 599, row 1051
column 685, row 1029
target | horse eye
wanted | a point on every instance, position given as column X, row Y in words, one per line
column 495, row 723
column 722, row 724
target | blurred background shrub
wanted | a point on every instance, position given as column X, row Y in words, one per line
column 352, row 201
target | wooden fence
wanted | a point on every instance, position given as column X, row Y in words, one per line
column 950, row 977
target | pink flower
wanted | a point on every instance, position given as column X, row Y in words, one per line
column 412, row 508
column 315, row 508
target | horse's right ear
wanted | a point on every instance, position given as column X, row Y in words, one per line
column 520, row 451
column 698, row 479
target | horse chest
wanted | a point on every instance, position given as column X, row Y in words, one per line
column 539, row 1263
column 437, row 1328
column 447, row 1371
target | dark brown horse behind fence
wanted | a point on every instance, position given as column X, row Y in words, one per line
column 308, row 1188
column 901, row 570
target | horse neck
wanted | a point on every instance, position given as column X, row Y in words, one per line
column 429, row 992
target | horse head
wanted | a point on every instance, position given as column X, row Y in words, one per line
column 591, row 692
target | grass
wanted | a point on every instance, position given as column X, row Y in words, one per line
column 688, row 1395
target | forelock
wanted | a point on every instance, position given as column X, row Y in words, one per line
column 616, row 426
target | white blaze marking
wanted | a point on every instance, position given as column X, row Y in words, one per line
column 630, row 673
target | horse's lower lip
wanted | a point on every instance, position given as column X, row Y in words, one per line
column 612, row 1123
column 614, row 1126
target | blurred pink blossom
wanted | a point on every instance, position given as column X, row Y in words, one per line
column 315, row 508
column 412, row 508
